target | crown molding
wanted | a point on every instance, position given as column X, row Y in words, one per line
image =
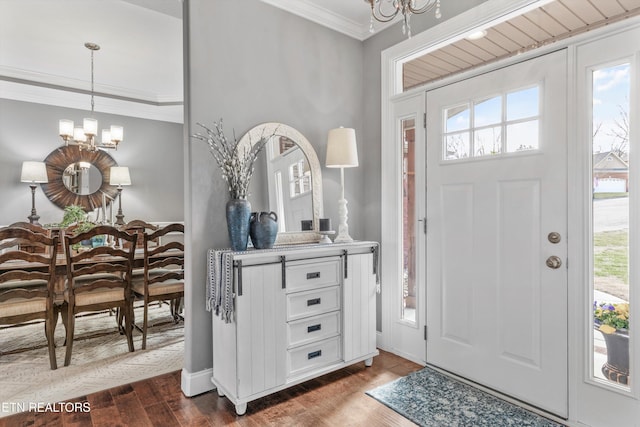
column 325, row 17
column 169, row 112
column 28, row 77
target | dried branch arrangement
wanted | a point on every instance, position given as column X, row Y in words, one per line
column 235, row 163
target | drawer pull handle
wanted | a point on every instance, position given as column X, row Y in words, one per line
column 314, row 354
column 314, row 301
column 315, row 275
column 314, row 328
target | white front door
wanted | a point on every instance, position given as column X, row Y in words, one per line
column 497, row 214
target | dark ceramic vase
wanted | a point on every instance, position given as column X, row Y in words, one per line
column 263, row 229
column 617, row 366
column 238, row 215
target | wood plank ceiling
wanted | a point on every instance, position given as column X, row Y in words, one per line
column 554, row 21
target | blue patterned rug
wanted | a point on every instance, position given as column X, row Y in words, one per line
column 431, row 399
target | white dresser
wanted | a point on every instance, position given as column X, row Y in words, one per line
column 300, row 312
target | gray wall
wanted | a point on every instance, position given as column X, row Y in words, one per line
column 371, row 107
column 151, row 149
column 371, row 110
column 251, row 63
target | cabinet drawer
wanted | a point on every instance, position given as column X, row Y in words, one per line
column 314, row 356
column 303, row 275
column 312, row 303
column 313, row 329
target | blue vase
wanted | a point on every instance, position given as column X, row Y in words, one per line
column 238, row 215
column 263, row 229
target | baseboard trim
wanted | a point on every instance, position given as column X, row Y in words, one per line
column 196, row 383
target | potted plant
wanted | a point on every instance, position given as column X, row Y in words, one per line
column 236, row 165
column 72, row 214
column 613, row 321
column 76, row 216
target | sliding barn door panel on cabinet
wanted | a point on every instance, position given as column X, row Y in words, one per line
column 261, row 318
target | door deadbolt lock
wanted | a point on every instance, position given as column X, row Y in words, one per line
column 554, row 262
column 554, row 237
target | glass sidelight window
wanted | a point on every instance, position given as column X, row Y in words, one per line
column 610, row 170
column 409, row 221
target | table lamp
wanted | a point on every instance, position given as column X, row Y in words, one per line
column 119, row 175
column 34, row 173
column 342, row 152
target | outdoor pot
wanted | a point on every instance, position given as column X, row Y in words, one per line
column 617, row 366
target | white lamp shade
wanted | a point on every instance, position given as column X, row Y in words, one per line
column 65, row 128
column 35, row 172
column 78, row 135
column 342, row 151
column 90, row 127
column 106, row 136
column 119, row 175
column 117, row 133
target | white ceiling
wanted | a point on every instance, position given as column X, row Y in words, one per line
column 139, row 65
column 350, row 17
column 42, row 54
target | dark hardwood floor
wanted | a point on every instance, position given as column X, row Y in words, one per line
column 336, row 399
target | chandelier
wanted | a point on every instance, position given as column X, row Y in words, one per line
column 387, row 10
column 85, row 137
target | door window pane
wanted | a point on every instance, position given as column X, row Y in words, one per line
column 487, row 112
column 488, row 141
column 610, row 226
column 457, row 118
column 457, row 146
column 523, row 104
column 522, row 136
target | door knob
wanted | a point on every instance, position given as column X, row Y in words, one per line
column 554, row 237
column 554, row 262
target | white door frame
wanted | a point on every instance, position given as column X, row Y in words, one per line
column 456, row 28
column 391, row 249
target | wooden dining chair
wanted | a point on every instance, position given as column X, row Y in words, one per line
column 25, row 246
column 27, row 281
column 138, row 227
column 98, row 279
column 163, row 278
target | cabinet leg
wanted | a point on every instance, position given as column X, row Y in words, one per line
column 220, row 392
column 368, row 362
column 241, row 408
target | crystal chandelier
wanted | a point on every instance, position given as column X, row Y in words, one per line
column 85, row 137
column 387, row 10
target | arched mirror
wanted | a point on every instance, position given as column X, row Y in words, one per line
column 287, row 180
column 78, row 177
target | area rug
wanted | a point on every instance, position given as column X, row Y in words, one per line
column 429, row 398
column 100, row 359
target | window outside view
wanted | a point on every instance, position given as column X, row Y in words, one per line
column 506, row 123
column 610, row 169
